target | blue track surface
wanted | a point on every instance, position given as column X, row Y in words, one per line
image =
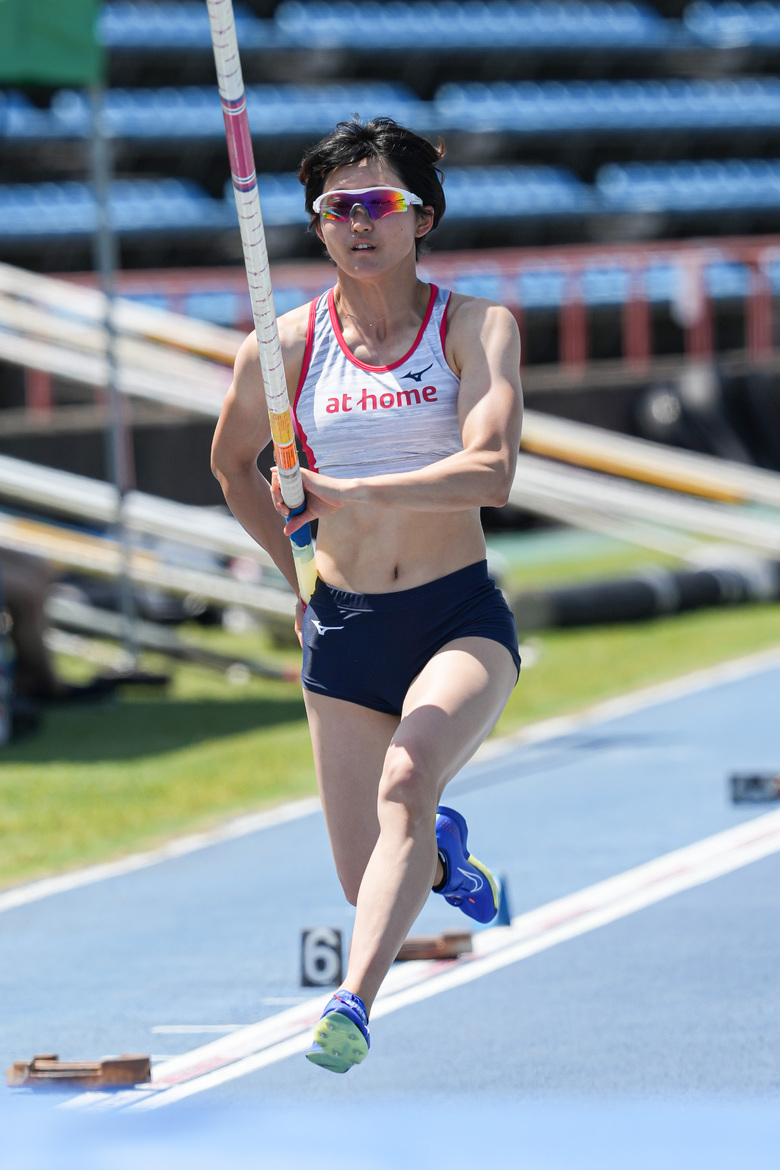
column 663, row 1013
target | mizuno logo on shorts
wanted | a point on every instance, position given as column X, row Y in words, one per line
column 324, row 629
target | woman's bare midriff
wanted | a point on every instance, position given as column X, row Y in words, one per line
column 381, row 550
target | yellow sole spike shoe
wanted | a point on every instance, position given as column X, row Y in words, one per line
column 341, row 1036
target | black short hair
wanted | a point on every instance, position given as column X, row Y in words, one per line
column 413, row 157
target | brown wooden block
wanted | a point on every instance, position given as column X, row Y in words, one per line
column 448, row 945
column 48, row 1071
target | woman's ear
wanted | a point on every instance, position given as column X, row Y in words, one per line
column 424, row 222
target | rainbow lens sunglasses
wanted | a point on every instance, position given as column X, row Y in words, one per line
column 377, row 202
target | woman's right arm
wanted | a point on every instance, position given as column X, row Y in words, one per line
column 243, row 431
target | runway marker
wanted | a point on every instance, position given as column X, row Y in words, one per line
column 321, row 957
column 288, row 1033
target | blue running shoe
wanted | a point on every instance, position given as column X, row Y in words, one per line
column 467, row 883
column 341, row 1035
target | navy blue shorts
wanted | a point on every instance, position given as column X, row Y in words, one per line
column 368, row 648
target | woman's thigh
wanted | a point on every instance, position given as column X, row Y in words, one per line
column 452, row 706
column 350, row 744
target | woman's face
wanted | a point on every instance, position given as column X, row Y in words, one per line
column 362, row 246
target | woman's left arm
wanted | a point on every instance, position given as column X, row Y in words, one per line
column 485, row 345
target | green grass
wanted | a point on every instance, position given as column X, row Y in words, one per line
column 99, row 782
column 577, row 668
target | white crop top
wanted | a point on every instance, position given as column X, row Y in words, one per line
column 358, row 420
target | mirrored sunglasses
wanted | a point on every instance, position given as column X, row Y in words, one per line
column 377, row 202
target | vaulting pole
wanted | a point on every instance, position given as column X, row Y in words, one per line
column 242, row 168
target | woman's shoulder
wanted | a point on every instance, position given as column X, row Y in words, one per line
column 464, row 311
column 293, row 326
column 472, row 320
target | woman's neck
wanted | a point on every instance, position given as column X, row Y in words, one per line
column 378, row 310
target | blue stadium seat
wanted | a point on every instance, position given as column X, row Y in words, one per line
column 691, row 186
column 137, row 206
column 19, row 117
column 495, row 192
column 541, row 289
column 168, row 24
column 11, row 101
column 523, row 107
column 732, row 25
column 472, row 23
column 479, row 284
column 726, row 279
column 195, row 111
column 534, row 107
column 608, row 283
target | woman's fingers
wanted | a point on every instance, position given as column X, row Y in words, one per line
column 323, row 497
column 276, row 493
column 298, row 521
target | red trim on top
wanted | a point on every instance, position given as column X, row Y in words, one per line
column 334, row 320
column 310, row 459
column 443, row 328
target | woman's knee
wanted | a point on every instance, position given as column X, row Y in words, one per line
column 407, row 784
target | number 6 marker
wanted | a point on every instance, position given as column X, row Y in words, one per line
column 321, row 957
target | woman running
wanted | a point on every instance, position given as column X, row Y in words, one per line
column 407, row 403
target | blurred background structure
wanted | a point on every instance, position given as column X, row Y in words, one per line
column 612, row 175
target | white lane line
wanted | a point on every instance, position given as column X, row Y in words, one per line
column 548, row 729
column 195, row 1029
column 179, row 847
column 288, row 1033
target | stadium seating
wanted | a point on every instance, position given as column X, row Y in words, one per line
column 732, row 25
column 473, row 193
column 179, row 129
column 397, row 24
column 167, row 25
column 143, row 205
column 194, row 111
column 520, row 108
column 565, row 107
column 691, row 187
column 472, row 23
column 137, row 206
column 606, row 283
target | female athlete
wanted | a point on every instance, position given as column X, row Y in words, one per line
column 408, row 406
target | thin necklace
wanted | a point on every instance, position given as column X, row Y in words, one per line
column 360, row 320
